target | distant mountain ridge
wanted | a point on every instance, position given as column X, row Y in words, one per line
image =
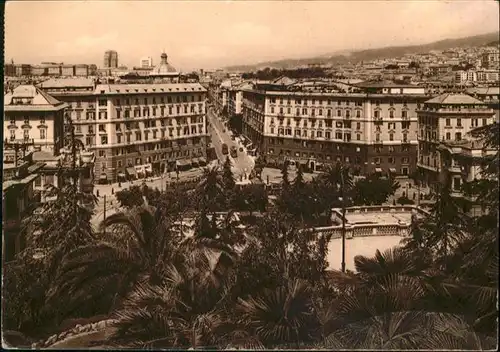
column 374, row 54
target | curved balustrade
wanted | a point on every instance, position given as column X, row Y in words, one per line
column 371, row 209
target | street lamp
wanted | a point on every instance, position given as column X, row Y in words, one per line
column 342, row 199
column 342, row 193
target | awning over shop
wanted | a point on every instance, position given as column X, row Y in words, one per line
column 392, row 170
column 378, row 169
column 121, row 174
column 103, row 176
column 195, row 161
column 202, row 161
column 131, row 171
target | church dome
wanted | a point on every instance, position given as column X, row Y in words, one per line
column 164, row 68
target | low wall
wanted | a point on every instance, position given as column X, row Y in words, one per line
column 73, row 333
column 365, row 230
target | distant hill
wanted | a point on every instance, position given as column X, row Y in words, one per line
column 373, row 54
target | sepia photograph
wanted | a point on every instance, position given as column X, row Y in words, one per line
column 251, row 175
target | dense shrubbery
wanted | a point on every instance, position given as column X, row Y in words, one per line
column 267, row 287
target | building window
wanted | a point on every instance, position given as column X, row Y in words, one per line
column 458, row 136
column 104, row 139
column 405, row 160
column 304, row 111
column 448, row 122
column 391, row 136
column 448, row 136
column 485, row 122
column 404, row 114
column 138, row 136
column 391, row 114
column 377, row 114
column 457, row 184
column 377, row 161
column 88, row 141
column 42, row 133
column 118, row 139
column 102, row 153
column 339, row 112
column 391, row 160
column 102, row 102
column 459, row 122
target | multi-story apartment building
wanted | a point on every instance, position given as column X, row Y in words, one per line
column 466, row 76
column 235, row 105
column 447, row 119
column 144, row 128
column 488, row 76
column 82, row 70
column 460, row 164
column 372, row 132
column 33, row 116
column 491, row 59
column 79, row 94
column 488, row 95
column 110, row 59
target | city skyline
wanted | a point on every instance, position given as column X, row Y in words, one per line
column 224, row 33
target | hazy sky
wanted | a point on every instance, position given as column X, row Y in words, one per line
column 209, row 34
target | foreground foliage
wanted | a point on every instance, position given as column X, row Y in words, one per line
column 205, row 283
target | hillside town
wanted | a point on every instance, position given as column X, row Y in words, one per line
column 153, row 202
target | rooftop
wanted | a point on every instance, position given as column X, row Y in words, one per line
column 149, row 88
column 29, row 97
column 384, row 84
column 484, row 91
column 454, row 99
column 67, row 82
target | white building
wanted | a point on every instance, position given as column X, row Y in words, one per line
column 146, row 62
column 466, row 76
column 447, row 120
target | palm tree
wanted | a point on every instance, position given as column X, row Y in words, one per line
column 280, row 316
column 409, row 330
column 105, row 271
column 444, row 229
column 185, row 310
column 208, row 230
